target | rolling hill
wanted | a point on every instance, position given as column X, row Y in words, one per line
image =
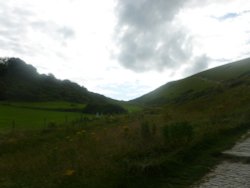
column 21, row 82
column 223, row 80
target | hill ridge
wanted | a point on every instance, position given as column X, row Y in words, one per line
column 21, row 82
column 204, row 83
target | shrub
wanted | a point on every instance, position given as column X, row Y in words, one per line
column 107, row 108
column 178, row 133
column 145, row 131
column 125, row 131
column 154, row 129
column 52, row 125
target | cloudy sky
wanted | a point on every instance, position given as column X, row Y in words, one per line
column 124, row 48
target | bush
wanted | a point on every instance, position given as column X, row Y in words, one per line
column 154, row 129
column 145, row 131
column 178, row 133
column 107, row 108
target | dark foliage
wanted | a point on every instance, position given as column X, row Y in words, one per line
column 94, row 108
column 21, row 82
column 178, row 133
column 145, row 130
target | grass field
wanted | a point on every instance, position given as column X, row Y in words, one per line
column 53, row 105
column 33, row 115
column 27, row 118
column 172, row 146
column 120, row 151
column 131, row 108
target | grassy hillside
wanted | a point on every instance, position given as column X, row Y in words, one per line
column 203, row 84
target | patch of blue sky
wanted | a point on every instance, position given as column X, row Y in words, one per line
column 230, row 15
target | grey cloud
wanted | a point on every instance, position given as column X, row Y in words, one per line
column 66, row 32
column 145, row 13
column 198, row 64
column 147, row 36
column 10, row 21
column 53, row 30
column 15, row 23
column 155, row 50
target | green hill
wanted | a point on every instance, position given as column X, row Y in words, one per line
column 21, row 82
column 219, row 80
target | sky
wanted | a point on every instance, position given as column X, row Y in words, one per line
column 124, row 48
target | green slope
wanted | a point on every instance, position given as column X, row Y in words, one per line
column 21, row 82
column 203, row 84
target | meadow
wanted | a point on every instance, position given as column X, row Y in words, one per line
column 39, row 115
column 152, row 148
column 36, row 115
column 51, row 105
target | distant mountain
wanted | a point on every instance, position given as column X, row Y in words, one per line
column 21, row 82
column 229, row 78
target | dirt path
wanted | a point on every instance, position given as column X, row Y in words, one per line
column 234, row 172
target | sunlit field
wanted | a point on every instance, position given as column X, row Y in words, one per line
column 29, row 116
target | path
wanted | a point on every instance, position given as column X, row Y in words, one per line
column 234, row 172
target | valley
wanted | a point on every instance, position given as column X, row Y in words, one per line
column 170, row 137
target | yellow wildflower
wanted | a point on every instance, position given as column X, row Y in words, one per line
column 69, row 172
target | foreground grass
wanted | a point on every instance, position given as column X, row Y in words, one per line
column 120, row 151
